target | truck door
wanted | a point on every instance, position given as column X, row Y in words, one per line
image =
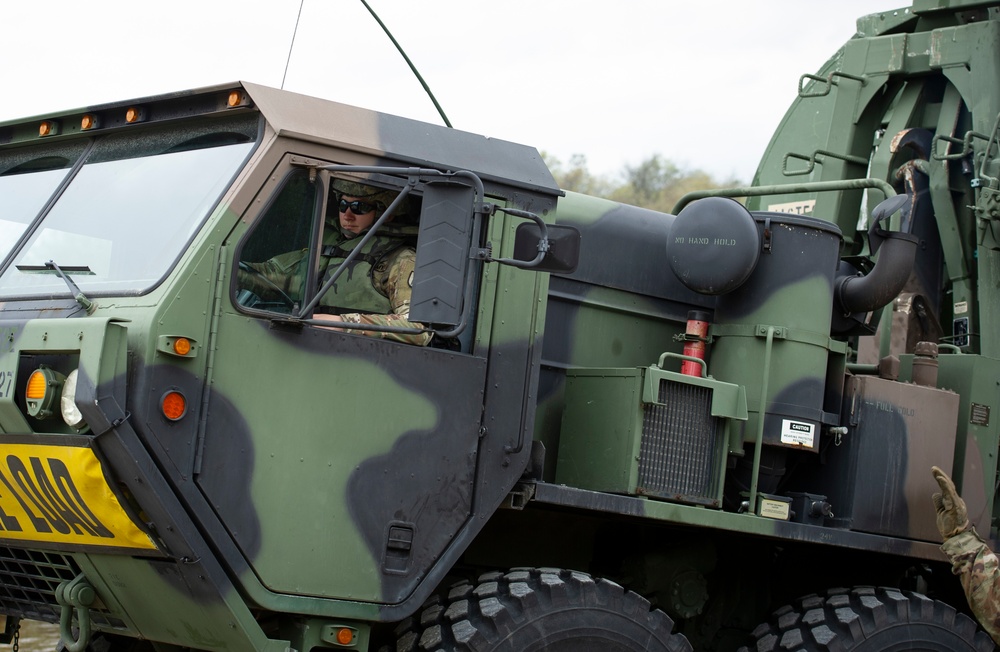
column 341, row 464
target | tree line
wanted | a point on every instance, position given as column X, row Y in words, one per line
column 656, row 183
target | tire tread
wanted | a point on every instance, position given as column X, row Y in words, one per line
column 844, row 619
column 481, row 616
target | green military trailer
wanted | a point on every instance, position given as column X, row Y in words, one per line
column 630, row 430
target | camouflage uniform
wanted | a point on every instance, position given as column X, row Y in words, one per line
column 979, row 571
column 392, row 278
column 376, row 285
column 971, row 559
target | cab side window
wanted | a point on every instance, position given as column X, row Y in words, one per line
column 353, row 272
column 274, row 258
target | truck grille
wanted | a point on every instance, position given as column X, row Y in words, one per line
column 678, row 454
column 28, row 581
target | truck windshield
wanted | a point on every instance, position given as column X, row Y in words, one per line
column 125, row 216
column 27, row 179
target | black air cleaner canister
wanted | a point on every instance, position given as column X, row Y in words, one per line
column 789, row 295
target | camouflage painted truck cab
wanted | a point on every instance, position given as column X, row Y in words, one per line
column 195, row 460
column 630, row 430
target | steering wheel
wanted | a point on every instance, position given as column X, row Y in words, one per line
column 249, row 298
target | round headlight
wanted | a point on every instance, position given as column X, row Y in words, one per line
column 42, row 391
column 67, row 403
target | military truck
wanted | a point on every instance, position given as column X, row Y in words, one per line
column 631, row 430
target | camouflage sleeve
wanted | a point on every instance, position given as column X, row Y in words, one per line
column 420, row 339
column 397, row 285
column 281, row 272
column 979, row 571
column 398, row 282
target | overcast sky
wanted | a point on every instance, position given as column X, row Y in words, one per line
column 702, row 83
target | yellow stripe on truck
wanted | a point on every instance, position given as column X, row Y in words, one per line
column 58, row 494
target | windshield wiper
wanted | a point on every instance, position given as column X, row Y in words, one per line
column 63, row 273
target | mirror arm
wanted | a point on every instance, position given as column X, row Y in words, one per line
column 543, row 241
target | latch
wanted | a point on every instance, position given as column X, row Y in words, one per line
column 398, row 548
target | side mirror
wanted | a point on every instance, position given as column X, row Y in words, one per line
column 563, row 254
column 443, row 245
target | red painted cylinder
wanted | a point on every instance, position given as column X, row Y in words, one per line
column 694, row 345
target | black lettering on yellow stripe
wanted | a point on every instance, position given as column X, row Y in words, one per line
column 36, row 521
column 65, row 512
column 8, row 522
column 34, row 494
column 64, row 483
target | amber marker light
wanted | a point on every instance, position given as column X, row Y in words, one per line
column 89, row 121
column 182, row 346
column 173, row 405
column 133, row 114
column 345, row 636
column 36, row 385
column 43, row 389
column 236, row 98
column 48, row 128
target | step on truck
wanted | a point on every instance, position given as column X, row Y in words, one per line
column 630, row 430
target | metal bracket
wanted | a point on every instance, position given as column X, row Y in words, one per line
column 519, row 496
column 10, row 630
column 988, row 204
column 766, row 240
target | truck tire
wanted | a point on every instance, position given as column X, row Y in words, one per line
column 535, row 610
column 867, row 619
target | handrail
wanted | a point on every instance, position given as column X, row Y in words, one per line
column 786, row 188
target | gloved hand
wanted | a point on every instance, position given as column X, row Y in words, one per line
column 952, row 515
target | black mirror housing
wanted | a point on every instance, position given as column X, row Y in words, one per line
column 563, row 254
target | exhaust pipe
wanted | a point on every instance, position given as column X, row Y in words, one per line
column 856, row 295
column 867, row 293
column 897, row 253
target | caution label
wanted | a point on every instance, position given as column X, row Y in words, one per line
column 797, row 433
column 58, row 494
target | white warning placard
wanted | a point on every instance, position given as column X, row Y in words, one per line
column 798, row 433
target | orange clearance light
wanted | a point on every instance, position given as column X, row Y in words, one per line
column 36, row 385
column 48, row 128
column 89, row 121
column 345, row 636
column 182, row 346
column 173, row 405
column 236, row 98
column 133, row 114
column 42, row 391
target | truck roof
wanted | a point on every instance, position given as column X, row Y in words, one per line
column 313, row 119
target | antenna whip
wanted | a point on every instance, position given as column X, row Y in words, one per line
column 408, row 62
column 291, row 46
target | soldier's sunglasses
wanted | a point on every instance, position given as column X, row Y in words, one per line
column 357, row 206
